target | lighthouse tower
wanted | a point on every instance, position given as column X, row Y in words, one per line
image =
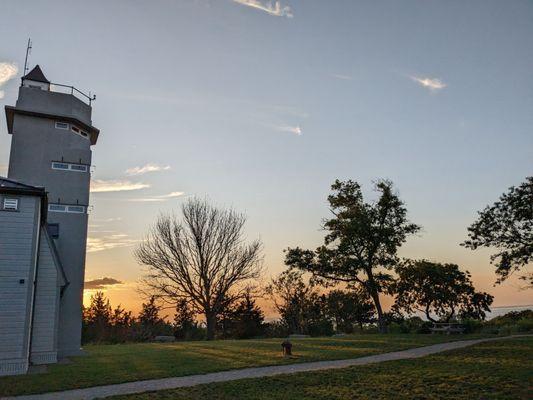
column 51, row 149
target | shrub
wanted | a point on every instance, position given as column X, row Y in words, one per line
column 276, row 329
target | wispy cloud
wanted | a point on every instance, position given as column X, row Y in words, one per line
column 273, row 8
column 109, row 242
column 113, row 219
column 100, row 186
column 433, row 84
column 7, row 72
column 343, row 77
column 172, row 195
column 146, row 169
column 296, row 130
column 156, row 199
column 101, row 283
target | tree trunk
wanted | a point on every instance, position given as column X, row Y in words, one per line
column 429, row 316
column 371, row 288
column 211, row 321
column 382, row 323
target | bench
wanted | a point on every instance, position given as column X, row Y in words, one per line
column 447, row 328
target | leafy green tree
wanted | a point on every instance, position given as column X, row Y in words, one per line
column 348, row 308
column 247, row 318
column 150, row 323
column 184, row 322
column 507, row 225
column 362, row 241
column 243, row 319
column 299, row 305
column 97, row 319
column 441, row 290
column 121, row 324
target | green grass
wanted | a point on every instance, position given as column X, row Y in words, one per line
column 106, row 364
column 493, row 370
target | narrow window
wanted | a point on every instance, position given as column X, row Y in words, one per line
column 59, row 165
column 61, row 125
column 76, row 209
column 78, row 167
column 57, row 208
column 78, row 131
column 11, row 204
column 53, row 230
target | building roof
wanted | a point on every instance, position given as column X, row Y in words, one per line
column 12, row 187
column 6, row 183
column 11, row 111
column 36, row 74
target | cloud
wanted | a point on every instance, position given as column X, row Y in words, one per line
column 113, row 219
column 172, row 195
column 147, row 200
column 161, row 198
column 146, row 168
column 101, row 283
column 343, row 77
column 272, row 8
column 7, row 72
column 100, row 186
column 433, row 84
column 296, row 130
column 95, row 244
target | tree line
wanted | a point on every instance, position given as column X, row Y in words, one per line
column 202, row 265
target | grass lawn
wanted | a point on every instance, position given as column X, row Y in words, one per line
column 493, row 370
column 106, row 364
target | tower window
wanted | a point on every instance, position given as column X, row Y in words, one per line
column 79, row 131
column 61, row 125
column 11, row 204
column 64, row 208
column 78, row 167
column 57, row 208
column 69, row 166
column 58, row 165
column 75, row 209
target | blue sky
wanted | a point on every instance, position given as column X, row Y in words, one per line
column 260, row 106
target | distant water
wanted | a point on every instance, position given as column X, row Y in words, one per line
column 497, row 311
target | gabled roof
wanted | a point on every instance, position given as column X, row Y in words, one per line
column 12, row 184
column 12, row 187
column 55, row 255
column 36, row 74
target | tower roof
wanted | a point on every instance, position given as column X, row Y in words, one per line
column 36, row 74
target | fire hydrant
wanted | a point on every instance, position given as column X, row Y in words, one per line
column 286, row 347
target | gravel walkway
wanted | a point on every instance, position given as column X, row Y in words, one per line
column 192, row 380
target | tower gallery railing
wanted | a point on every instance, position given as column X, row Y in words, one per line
column 73, row 91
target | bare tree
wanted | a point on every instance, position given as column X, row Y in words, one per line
column 202, row 258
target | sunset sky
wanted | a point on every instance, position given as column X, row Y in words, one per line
column 261, row 105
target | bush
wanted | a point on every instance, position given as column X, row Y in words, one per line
column 276, row 329
column 525, row 325
column 472, row 325
column 321, row 327
column 512, row 322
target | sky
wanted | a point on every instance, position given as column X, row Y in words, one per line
column 261, row 105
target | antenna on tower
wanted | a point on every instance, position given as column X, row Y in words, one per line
column 28, row 51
